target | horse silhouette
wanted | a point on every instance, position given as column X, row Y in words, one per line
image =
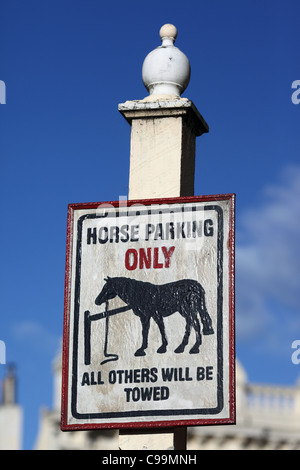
column 148, row 301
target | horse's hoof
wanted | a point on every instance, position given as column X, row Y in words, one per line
column 140, row 352
column 162, row 350
column 208, row 331
column 194, row 350
column 179, row 350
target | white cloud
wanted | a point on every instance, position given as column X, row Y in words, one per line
column 36, row 335
column 268, row 259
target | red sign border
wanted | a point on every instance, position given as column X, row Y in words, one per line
column 66, row 327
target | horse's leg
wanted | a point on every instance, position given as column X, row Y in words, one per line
column 185, row 340
column 160, row 323
column 190, row 312
column 205, row 318
column 145, row 321
column 196, row 326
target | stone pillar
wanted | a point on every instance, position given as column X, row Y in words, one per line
column 164, row 128
column 162, row 148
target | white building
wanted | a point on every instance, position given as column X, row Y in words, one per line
column 11, row 414
column 268, row 417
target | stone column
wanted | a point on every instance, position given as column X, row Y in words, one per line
column 164, row 128
column 162, row 148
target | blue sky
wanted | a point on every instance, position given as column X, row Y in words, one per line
column 67, row 64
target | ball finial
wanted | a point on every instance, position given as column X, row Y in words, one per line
column 166, row 70
column 169, row 31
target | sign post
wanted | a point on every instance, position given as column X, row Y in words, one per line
column 149, row 296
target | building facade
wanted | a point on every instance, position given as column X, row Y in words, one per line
column 268, row 417
column 11, row 414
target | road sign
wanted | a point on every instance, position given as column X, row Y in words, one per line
column 149, row 314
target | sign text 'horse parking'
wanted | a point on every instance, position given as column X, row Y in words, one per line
column 149, row 314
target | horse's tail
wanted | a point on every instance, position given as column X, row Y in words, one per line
column 204, row 315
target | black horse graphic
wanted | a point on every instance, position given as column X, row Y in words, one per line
column 148, row 301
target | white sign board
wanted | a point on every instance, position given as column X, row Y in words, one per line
column 149, row 314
